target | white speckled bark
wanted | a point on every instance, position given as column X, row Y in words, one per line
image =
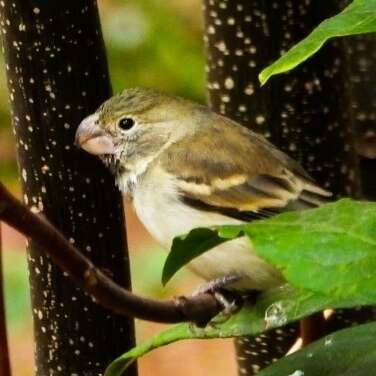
column 306, row 112
column 57, row 74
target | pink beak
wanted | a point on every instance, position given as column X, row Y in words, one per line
column 92, row 138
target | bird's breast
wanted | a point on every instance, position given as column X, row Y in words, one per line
column 158, row 206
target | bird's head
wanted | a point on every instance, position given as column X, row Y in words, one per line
column 129, row 130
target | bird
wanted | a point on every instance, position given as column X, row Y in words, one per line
column 183, row 166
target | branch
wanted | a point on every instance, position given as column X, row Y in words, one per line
column 198, row 309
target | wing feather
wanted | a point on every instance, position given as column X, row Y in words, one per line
column 238, row 173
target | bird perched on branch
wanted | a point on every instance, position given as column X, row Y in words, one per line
column 184, row 166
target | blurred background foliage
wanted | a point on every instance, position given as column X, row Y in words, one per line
column 150, row 43
column 155, row 43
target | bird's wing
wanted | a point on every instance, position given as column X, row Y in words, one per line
column 233, row 171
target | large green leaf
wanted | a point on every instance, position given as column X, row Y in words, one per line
column 349, row 352
column 328, row 254
column 272, row 309
column 330, row 250
column 358, row 18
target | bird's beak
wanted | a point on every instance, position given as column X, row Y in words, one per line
column 92, row 138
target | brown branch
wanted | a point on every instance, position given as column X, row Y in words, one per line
column 312, row 328
column 4, row 352
column 198, row 309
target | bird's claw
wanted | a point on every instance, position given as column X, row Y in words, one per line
column 231, row 301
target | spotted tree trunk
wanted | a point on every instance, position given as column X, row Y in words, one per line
column 361, row 52
column 57, row 74
column 306, row 112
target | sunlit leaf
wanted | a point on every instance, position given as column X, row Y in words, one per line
column 358, row 18
column 187, row 248
column 328, row 254
column 330, row 250
column 272, row 309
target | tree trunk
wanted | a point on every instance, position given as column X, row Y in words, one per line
column 361, row 55
column 57, row 74
column 306, row 113
column 361, row 51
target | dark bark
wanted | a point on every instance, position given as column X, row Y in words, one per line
column 306, row 112
column 361, row 51
column 361, row 55
column 199, row 309
column 4, row 349
column 57, row 74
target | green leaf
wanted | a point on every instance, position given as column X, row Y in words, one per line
column 272, row 309
column 349, row 352
column 328, row 253
column 330, row 250
column 358, row 18
column 187, row 247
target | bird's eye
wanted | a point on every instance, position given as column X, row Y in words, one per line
column 126, row 123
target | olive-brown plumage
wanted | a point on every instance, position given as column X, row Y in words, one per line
column 184, row 166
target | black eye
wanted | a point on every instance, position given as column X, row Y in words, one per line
column 126, row 123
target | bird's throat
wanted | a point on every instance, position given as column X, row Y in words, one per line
column 126, row 182
column 111, row 162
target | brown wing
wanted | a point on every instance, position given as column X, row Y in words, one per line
column 229, row 169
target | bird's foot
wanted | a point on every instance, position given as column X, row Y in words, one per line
column 231, row 301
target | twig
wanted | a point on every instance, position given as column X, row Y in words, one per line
column 4, row 351
column 312, row 328
column 198, row 309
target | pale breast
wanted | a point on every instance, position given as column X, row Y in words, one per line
column 157, row 204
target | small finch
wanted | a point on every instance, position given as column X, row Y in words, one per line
column 184, row 166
